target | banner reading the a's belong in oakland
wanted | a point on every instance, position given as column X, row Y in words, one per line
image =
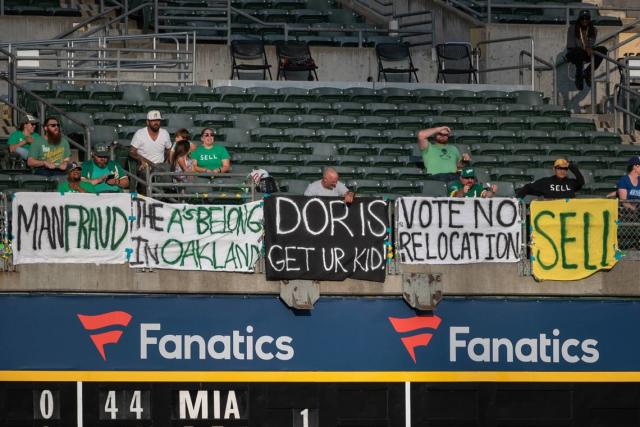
column 195, row 237
column 70, row 228
column 446, row 230
column 572, row 239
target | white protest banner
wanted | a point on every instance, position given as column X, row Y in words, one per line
column 70, row 228
column 447, row 230
column 195, row 237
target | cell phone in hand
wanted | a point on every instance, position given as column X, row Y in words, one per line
column 110, row 176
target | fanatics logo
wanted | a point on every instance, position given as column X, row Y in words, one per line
column 105, row 320
column 412, row 324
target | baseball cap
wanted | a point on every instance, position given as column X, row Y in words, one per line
column 635, row 160
column 73, row 166
column 28, row 118
column 154, row 115
column 468, row 173
column 101, row 150
column 562, row 163
column 584, row 14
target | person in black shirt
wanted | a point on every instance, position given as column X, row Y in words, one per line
column 581, row 42
column 558, row 186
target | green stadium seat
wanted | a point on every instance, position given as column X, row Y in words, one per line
column 256, row 108
column 433, row 188
column 252, row 159
column 476, row 123
column 42, row 89
column 394, row 149
column 596, row 137
column 137, row 119
column 234, row 135
column 505, row 189
column 278, row 171
column 430, row 96
column 161, row 106
column 232, row 94
column 167, row 93
column 294, row 186
column 122, row 106
column 599, row 188
column 111, row 119
column 495, row 97
column 244, row 121
column 513, row 174
column 189, row 107
column 347, row 172
column 378, row 123
column 292, row 148
column 80, row 105
column 32, row 182
column 578, row 124
column 516, row 160
column 483, row 161
column 335, row 136
column 337, row 122
column 301, row 135
column 538, row 173
column 382, row 161
column 103, row 134
column 544, row 161
column 375, row 172
column 399, row 136
column 321, row 149
column 290, row 160
column 395, row 95
column 103, row 91
column 127, row 132
column 341, row 16
column 356, row 149
column 462, row 97
column 527, row 97
column 536, row 137
column 502, row 136
column 624, row 150
column 381, row 109
column 308, row 173
column 594, row 150
column 70, row 127
column 449, row 121
column 589, row 162
column 267, row 134
column 210, row 120
column 552, row 111
column 418, row 109
column 288, row 108
column 408, row 172
column 561, row 150
column 348, row 108
column 310, row 121
column 251, row 147
column 482, row 175
column 7, row 182
column 451, row 110
column 527, row 149
column 616, row 162
column 317, row 160
column 517, row 110
column 468, row 137
column 134, row 92
column 544, row 123
column 317, row 108
column 569, row 137
column 175, row 120
column 264, row 94
column 413, row 123
column 70, row 91
column 608, row 175
column 401, row 186
column 488, row 110
column 365, row 186
column 197, row 93
column 362, row 95
column 296, row 95
column 511, row 123
column 488, row 149
column 328, row 94
column 367, row 136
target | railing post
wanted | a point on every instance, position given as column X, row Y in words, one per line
column 627, row 118
column 488, row 11
column 520, row 70
column 594, row 85
column 155, row 16
column 228, row 22
column 533, row 64
column 615, row 113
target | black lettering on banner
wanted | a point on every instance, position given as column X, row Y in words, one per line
column 322, row 238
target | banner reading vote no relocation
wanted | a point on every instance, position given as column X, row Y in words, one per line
column 458, row 230
column 70, row 228
column 572, row 239
column 195, row 237
column 324, row 239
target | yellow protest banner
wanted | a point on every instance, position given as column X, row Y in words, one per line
column 572, row 239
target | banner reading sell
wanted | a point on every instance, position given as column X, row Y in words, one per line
column 70, row 228
column 446, row 230
column 195, row 237
column 323, row 238
column 572, row 239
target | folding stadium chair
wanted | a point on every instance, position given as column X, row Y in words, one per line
column 249, row 56
column 396, row 53
column 295, row 57
column 455, row 59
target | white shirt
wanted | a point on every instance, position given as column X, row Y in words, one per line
column 317, row 189
column 150, row 149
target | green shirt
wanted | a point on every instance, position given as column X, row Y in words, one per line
column 18, row 136
column 63, row 187
column 91, row 170
column 440, row 158
column 42, row 150
column 210, row 158
column 476, row 189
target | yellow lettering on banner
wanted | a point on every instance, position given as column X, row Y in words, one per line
column 572, row 239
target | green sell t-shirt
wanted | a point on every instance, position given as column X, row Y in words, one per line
column 63, row 187
column 42, row 150
column 475, row 190
column 18, row 136
column 210, row 158
column 440, row 158
column 91, row 170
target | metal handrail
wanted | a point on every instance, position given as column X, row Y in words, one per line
column 626, row 111
column 478, row 51
column 548, row 67
column 152, row 186
column 84, row 23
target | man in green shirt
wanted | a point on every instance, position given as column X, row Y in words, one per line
column 468, row 186
column 49, row 155
column 106, row 175
column 441, row 160
column 20, row 140
column 210, row 157
column 74, row 184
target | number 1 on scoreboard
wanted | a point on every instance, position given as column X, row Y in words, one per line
column 305, row 417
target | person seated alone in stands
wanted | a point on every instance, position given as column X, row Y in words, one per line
column 558, row 186
column 210, row 157
column 106, row 175
column 50, row 154
column 330, row 185
column 629, row 185
column 581, row 40
column 468, row 186
column 74, row 183
column 21, row 139
column 441, row 160
column 151, row 144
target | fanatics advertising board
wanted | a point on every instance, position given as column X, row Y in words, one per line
column 323, row 238
column 218, row 338
column 572, row 239
column 446, row 230
column 116, row 228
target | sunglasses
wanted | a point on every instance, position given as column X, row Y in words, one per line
column 443, row 134
column 468, row 177
column 561, row 168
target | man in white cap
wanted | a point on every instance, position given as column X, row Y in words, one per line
column 151, row 144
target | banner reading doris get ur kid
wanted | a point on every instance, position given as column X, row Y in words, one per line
column 572, row 239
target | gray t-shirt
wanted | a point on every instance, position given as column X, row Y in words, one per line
column 316, row 189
